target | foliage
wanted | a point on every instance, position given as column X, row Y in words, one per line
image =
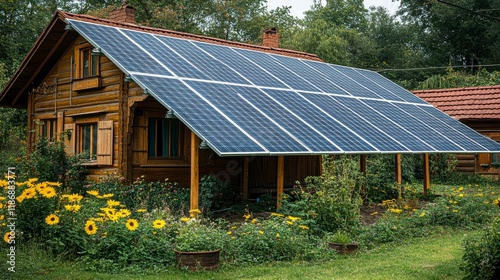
column 333, row 200
column 199, row 235
column 49, row 162
column 458, row 79
column 141, row 194
column 482, row 253
column 215, row 194
column 12, row 134
column 276, row 238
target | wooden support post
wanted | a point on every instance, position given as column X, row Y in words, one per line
column 399, row 176
column 362, row 164
column 244, row 193
column 280, row 182
column 362, row 169
column 195, row 173
column 427, row 175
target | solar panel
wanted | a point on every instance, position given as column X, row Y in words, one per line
column 246, row 102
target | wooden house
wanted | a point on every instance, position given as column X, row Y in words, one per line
column 479, row 109
column 67, row 88
column 166, row 104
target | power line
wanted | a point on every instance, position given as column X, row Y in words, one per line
column 436, row 67
column 468, row 10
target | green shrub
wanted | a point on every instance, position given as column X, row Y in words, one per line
column 215, row 194
column 481, row 259
column 277, row 238
column 333, row 200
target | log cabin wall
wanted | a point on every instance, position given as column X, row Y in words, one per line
column 65, row 101
column 480, row 163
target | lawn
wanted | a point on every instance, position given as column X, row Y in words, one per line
column 436, row 257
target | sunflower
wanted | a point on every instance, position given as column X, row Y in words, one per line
column 21, row 198
column 158, row 223
column 7, row 237
column 90, row 227
column 52, row 220
column 113, row 203
column 75, row 198
column 49, row 192
column 29, row 193
column 93, row 192
column 132, row 224
column 73, row 208
column 123, row 213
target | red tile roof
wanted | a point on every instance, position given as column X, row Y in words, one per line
column 171, row 33
column 465, row 103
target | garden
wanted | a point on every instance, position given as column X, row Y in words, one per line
column 146, row 228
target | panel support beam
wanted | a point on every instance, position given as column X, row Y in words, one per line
column 427, row 174
column 244, row 193
column 280, row 182
column 399, row 176
column 195, row 173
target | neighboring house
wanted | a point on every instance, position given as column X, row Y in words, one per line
column 166, row 104
column 479, row 109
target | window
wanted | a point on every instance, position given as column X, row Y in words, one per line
column 87, row 139
column 93, row 136
column 49, row 128
column 89, row 63
column 163, row 138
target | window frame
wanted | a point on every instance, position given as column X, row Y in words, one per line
column 93, row 138
column 80, row 51
column 48, row 128
column 180, row 139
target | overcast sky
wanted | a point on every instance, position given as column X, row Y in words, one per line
column 300, row 6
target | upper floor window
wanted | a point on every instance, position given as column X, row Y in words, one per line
column 90, row 63
column 87, row 65
column 164, row 138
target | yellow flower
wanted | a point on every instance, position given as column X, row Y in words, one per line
column 90, row 227
column 108, row 195
column 261, row 232
column 1, row 217
column 254, row 221
column 132, row 224
column 197, row 211
column 395, row 210
column 374, row 213
column 304, row 227
column 29, row 193
column 277, row 214
column 422, row 214
column 158, row 223
column 293, row 219
column 2, row 198
column 290, row 223
column 247, row 216
column 7, row 237
column 185, row 219
column 21, row 198
column 72, row 208
column 229, row 232
column 49, row 192
column 75, row 198
column 277, row 235
column 461, row 195
column 455, row 210
column 113, row 203
column 52, row 220
column 123, row 213
column 141, row 210
column 93, row 192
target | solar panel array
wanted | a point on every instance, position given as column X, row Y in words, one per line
column 249, row 102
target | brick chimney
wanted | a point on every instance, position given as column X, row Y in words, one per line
column 271, row 38
column 125, row 13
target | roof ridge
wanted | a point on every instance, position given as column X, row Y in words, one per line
column 457, row 89
column 185, row 35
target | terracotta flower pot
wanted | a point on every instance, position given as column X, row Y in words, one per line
column 194, row 261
